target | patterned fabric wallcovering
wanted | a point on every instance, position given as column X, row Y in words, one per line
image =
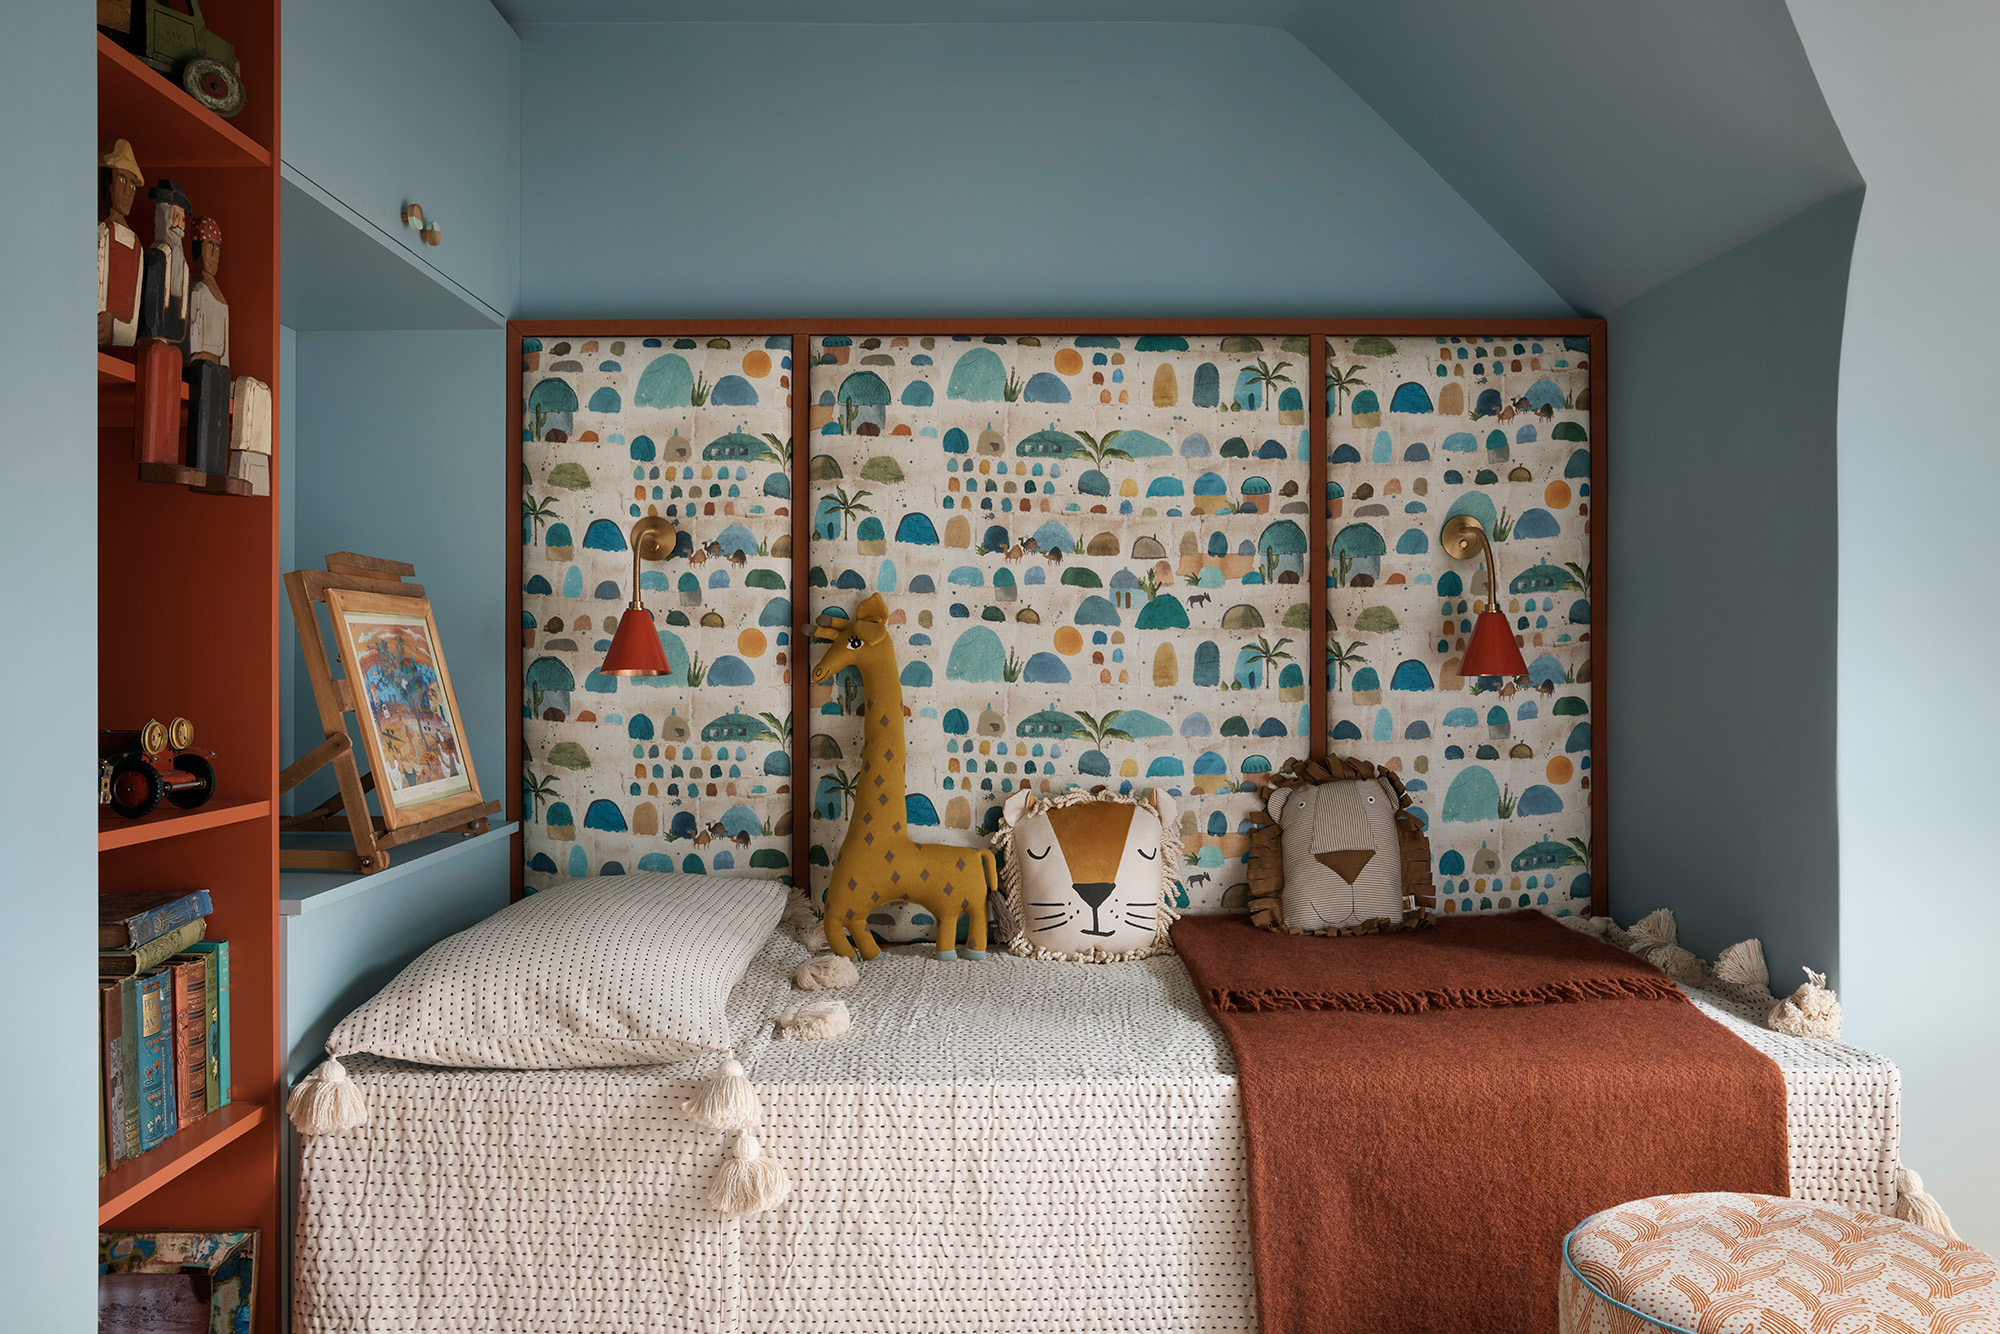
column 690, row 772
column 1095, row 548
column 1420, row 430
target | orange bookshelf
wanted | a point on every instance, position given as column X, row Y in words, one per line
column 188, row 627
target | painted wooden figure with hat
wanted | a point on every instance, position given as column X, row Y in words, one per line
column 162, row 341
column 120, row 263
column 208, row 360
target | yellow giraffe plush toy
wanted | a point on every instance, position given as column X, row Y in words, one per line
column 879, row 862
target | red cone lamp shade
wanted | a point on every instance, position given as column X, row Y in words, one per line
column 636, row 649
column 1490, row 652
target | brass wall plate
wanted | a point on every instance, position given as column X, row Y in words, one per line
column 654, row 538
column 1463, row 538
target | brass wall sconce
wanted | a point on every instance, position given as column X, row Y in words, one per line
column 636, row 649
column 1491, row 650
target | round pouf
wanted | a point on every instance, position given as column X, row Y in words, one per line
column 1723, row 1263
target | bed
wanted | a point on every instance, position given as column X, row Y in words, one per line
column 1011, row 1145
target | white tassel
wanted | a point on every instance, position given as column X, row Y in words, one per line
column 1742, row 965
column 815, row 937
column 827, row 972
column 1654, row 930
column 815, row 1021
column 798, row 911
column 1585, row 924
column 327, row 1101
column 748, row 1182
column 1914, row 1206
column 1810, row 1012
column 727, row 1101
column 1677, row 963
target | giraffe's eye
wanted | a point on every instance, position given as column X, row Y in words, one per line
column 1149, row 856
column 854, row 641
column 1039, row 855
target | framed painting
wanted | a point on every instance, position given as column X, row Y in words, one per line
column 410, row 724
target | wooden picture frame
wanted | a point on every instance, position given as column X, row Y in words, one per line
column 403, row 702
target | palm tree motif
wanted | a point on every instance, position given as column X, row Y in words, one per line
column 1267, row 378
column 1268, row 655
column 847, row 506
column 1579, row 852
column 538, row 510
column 845, row 785
column 1343, row 658
column 781, row 449
column 538, row 789
column 1342, row 383
column 776, row 729
column 1100, row 730
column 1579, row 577
column 1097, row 451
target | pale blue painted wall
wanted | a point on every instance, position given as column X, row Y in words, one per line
column 1919, row 629
column 48, row 672
column 1722, row 599
column 389, row 103
column 402, row 447
column 683, row 170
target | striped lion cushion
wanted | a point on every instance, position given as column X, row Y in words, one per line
column 1730, row 1262
column 614, row 970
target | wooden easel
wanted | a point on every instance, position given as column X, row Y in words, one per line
column 347, row 810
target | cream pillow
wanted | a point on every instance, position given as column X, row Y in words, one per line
column 615, row 970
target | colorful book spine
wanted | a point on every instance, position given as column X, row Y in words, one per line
column 190, row 1040
column 128, row 1063
column 111, row 1031
column 127, row 921
column 157, row 1106
column 147, row 957
column 218, row 1008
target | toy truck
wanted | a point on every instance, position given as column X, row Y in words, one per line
column 170, row 36
column 139, row 768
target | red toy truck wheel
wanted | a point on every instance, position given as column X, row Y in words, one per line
column 135, row 789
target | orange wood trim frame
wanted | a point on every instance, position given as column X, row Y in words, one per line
column 1319, row 330
column 1316, row 551
column 801, row 647
column 516, row 765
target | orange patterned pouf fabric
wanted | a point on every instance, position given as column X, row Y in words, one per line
column 1725, row 1263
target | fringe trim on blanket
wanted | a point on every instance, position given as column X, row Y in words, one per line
column 1452, row 998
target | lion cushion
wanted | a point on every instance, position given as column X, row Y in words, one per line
column 1336, row 852
column 1087, row 876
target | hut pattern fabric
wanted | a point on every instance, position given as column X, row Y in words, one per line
column 689, row 772
column 1093, row 550
column 1420, row 430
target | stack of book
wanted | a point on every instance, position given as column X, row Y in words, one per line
column 164, row 1001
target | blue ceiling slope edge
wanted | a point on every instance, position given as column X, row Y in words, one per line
column 1614, row 146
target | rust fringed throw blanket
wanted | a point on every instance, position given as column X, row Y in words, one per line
column 1428, row 1113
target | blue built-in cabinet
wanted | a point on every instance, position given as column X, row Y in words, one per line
column 388, row 102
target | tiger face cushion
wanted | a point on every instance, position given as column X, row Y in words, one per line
column 1336, row 854
column 1087, row 876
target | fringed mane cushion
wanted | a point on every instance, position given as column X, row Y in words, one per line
column 1085, row 876
column 1336, row 852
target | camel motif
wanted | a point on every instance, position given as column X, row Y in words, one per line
column 879, row 862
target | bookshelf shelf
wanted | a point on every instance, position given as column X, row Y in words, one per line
column 130, row 1182
column 166, row 128
column 167, row 822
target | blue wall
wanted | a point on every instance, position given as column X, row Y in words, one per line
column 686, row 170
column 401, row 453
column 1723, row 604
column 1919, row 632
column 48, row 820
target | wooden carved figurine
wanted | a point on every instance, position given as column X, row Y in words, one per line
column 207, row 357
column 162, row 340
column 879, row 863
column 119, row 261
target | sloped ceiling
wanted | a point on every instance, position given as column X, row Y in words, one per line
column 1614, row 146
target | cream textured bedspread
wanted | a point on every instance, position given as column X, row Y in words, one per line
column 1002, row 1146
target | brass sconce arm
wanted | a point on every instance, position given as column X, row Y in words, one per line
column 653, row 538
column 1465, row 537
